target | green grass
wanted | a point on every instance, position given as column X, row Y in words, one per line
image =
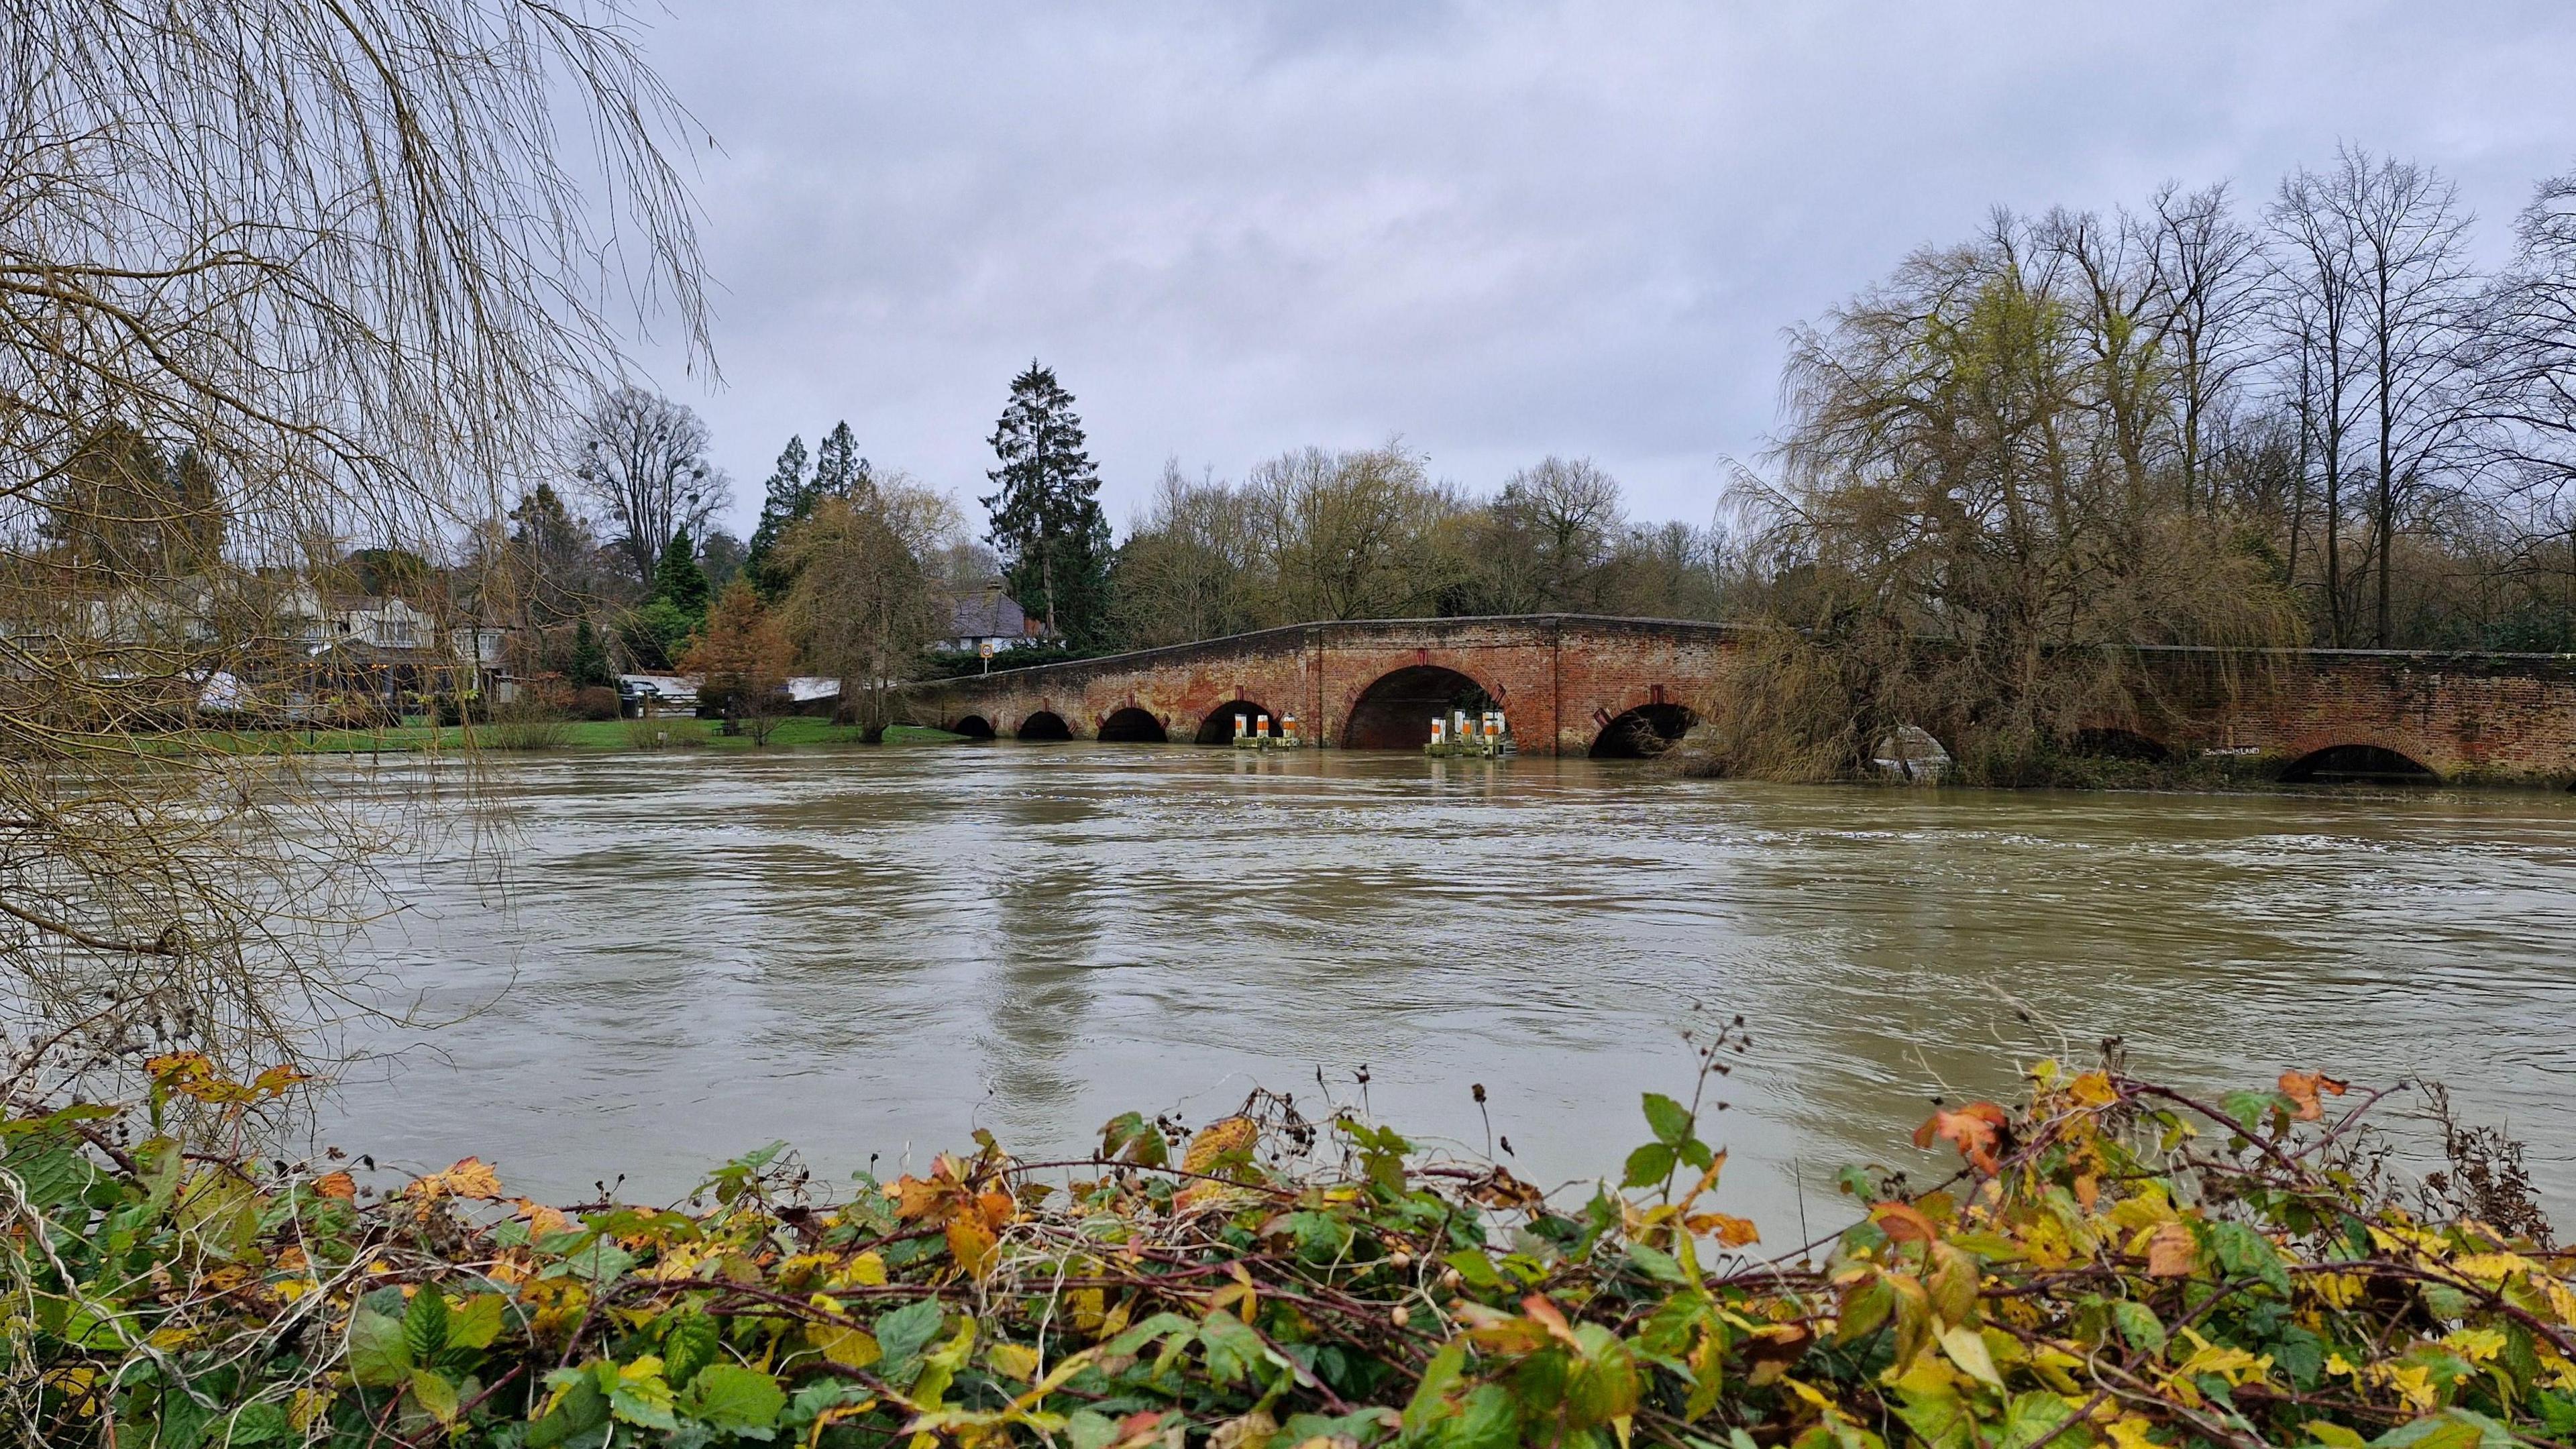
column 581, row 736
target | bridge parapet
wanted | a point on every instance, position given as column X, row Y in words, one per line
column 1573, row 684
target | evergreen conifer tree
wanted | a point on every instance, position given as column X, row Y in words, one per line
column 784, row 501
column 679, row 580
column 838, row 472
column 588, row 667
column 1047, row 522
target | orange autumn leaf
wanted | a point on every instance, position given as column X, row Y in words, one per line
column 2172, row 1252
column 1976, row 1129
column 1730, row 1231
column 542, row 1219
column 2303, row 1087
column 971, row 1244
column 469, row 1178
column 336, row 1185
column 1904, row 1222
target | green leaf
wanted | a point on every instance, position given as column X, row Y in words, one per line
column 637, row 1396
column 1938, row 1416
column 1090, row 1430
column 2032, row 1417
column 1233, row 1350
column 432, row 1389
column 2302, row 1354
column 1137, row 1336
column 2240, row 1249
column 378, row 1358
column 1670, row 1120
column 1477, row 1270
column 1648, row 1165
column 1864, row 1308
column 901, row 1334
column 688, row 1346
column 2451, row 1429
column 258, row 1424
column 182, row 1420
column 1488, row 1420
column 1130, row 1138
column 477, row 1323
column 424, row 1325
column 1364, row 1426
column 2139, row 1325
column 597, row 1260
column 730, row 1397
column 1656, row 1263
column 581, row 1409
column 1438, row 1378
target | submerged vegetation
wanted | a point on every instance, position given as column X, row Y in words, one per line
column 2113, row 1263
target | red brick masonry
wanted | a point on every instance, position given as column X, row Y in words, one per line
column 1562, row 679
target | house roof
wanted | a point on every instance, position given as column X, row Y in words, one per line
column 987, row 614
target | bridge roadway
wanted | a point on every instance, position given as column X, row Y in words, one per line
column 1576, row 684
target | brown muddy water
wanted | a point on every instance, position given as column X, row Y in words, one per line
column 688, row 955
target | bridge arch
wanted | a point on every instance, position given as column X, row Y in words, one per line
column 1045, row 726
column 1218, row 727
column 1132, row 725
column 1394, row 712
column 973, row 727
column 1643, row 732
column 2358, row 763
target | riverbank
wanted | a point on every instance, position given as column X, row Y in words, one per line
column 2108, row 1261
column 580, row 736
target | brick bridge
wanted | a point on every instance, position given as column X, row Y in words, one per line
column 1575, row 685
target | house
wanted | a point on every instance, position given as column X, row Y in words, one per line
column 989, row 616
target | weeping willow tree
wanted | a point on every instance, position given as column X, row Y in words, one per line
column 283, row 283
column 1983, row 505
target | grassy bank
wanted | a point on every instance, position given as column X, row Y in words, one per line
column 2111, row 1263
column 591, row 736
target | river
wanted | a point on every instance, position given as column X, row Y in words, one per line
column 669, row 959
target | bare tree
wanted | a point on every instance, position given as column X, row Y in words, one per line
column 2209, row 271
column 2411, row 258
column 1570, row 515
column 2316, row 305
column 351, row 259
column 642, row 458
column 2527, row 335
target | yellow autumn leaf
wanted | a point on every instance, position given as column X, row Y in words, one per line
column 2093, row 1089
column 1966, row 1347
column 1084, row 1305
column 1013, row 1360
column 2130, row 1432
column 867, row 1270
column 1232, row 1137
column 2478, row 1345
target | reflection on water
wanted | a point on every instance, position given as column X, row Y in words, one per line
column 877, row 951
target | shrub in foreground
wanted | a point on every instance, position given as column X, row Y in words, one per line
column 2114, row 1263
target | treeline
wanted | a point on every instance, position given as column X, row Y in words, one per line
column 2309, row 421
column 853, row 570
column 1313, row 534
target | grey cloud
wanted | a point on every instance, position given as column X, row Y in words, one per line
column 1500, row 231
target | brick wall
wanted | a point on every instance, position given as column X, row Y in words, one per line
column 1562, row 680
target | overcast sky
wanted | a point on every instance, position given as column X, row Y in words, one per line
column 1497, row 230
